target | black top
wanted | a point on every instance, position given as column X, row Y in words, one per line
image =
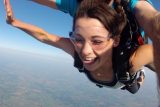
column 79, row 65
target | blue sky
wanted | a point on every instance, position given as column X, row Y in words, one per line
column 52, row 21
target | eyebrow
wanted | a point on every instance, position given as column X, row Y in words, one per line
column 77, row 34
column 93, row 37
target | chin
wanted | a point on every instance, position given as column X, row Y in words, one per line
column 91, row 68
column 92, row 65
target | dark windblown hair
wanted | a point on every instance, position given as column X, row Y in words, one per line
column 79, row 0
column 114, row 20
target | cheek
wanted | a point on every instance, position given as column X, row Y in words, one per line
column 107, row 51
column 106, row 54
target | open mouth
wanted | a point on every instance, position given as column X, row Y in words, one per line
column 89, row 61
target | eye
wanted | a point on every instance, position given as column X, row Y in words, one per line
column 78, row 40
column 97, row 42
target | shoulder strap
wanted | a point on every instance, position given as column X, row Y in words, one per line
column 132, row 24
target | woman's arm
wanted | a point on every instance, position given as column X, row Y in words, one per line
column 48, row 3
column 66, row 6
column 38, row 33
column 143, row 56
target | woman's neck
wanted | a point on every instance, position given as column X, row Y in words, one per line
column 105, row 73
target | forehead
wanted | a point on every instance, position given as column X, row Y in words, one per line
column 90, row 26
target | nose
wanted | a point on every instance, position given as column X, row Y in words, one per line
column 86, row 49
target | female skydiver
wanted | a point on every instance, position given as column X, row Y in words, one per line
column 149, row 22
column 93, row 44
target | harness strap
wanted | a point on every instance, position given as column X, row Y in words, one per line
column 130, row 39
column 133, row 24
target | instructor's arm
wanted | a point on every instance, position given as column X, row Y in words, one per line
column 48, row 3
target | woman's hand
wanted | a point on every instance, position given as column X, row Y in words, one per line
column 9, row 13
column 141, row 77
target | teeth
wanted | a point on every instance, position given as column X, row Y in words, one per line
column 89, row 59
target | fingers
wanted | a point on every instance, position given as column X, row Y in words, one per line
column 142, row 75
column 9, row 13
column 8, row 7
column 140, row 80
column 7, row 4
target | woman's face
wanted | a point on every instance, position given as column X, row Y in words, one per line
column 92, row 43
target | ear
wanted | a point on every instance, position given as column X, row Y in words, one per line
column 116, row 41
